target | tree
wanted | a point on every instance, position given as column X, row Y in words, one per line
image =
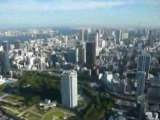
column 97, row 102
column 92, row 114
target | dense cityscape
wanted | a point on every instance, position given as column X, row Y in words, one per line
column 90, row 74
column 79, row 60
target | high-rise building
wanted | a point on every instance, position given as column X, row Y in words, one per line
column 17, row 44
column 81, row 35
column 125, row 35
column 72, row 55
column 143, row 66
column 141, row 76
column 4, row 62
column 53, row 59
column 151, row 36
column 118, row 37
column 90, row 53
column 1, row 48
column 94, row 37
column 144, row 62
column 69, row 90
column 82, row 54
column 5, row 45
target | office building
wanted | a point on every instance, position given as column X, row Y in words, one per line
column 17, row 44
column 82, row 54
column 141, row 76
column 151, row 36
column 5, row 45
column 72, row 55
column 1, row 48
column 81, row 35
column 4, row 63
column 144, row 62
column 125, row 35
column 94, row 37
column 90, row 54
column 69, row 90
column 118, row 37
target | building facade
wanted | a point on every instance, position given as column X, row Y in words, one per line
column 90, row 54
column 144, row 62
column 69, row 90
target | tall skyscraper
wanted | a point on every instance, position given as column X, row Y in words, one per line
column 69, row 90
column 143, row 66
column 118, row 37
column 94, row 37
column 4, row 63
column 17, row 44
column 5, row 45
column 141, row 76
column 144, row 62
column 90, row 53
column 151, row 36
column 81, row 35
column 82, row 54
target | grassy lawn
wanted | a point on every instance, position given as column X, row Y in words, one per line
column 34, row 113
column 10, row 112
column 64, row 110
column 19, row 109
column 57, row 113
column 54, row 114
column 31, row 116
column 37, row 110
column 13, row 98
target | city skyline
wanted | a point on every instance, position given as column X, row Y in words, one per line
column 104, row 13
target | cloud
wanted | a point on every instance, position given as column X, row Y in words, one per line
column 19, row 6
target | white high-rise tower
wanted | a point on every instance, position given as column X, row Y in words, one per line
column 69, row 90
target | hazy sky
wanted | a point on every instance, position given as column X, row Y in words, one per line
column 79, row 13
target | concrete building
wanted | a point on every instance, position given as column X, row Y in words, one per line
column 94, row 37
column 82, row 54
column 81, row 35
column 1, row 48
column 72, row 55
column 118, row 37
column 125, row 35
column 5, row 45
column 69, row 90
column 141, row 76
column 144, row 62
column 90, row 54
column 5, row 65
column 1, row 80
column 17, row 44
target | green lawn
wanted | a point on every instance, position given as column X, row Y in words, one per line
column 34, row 113
column 10, row 112
column 19, row 109
column 31, row 116
column 54, row 114
column 13, row 98
column 37, row 110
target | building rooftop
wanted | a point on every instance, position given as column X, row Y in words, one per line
column 69, row 72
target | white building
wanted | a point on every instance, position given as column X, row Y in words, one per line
column 2, row 80
column 1, row 48
column 69, row 90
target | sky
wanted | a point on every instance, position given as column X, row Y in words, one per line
column 112, row 13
